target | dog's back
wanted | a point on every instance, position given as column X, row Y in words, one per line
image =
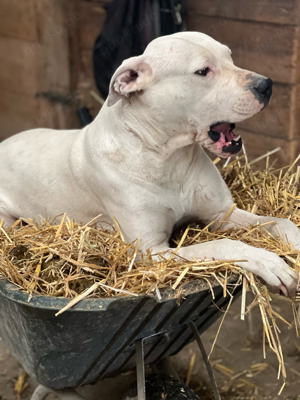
column 31, row 170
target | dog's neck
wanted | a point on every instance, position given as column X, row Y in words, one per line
column 132, row 126
column 144, row 142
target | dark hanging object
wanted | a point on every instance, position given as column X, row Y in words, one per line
column 129, row 27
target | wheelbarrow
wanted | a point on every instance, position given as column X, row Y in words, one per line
column 101, row 338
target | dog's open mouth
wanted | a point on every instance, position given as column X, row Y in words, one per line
column 222, row 132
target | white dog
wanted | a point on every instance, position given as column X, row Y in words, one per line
column 141, row 160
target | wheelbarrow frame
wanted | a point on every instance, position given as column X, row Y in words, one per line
column 97, row 338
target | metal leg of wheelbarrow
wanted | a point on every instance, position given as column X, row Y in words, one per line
column 206, row 361
column 140, row 370
column 140, row 367
column 41, row 392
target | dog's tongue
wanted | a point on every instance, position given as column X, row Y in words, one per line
column 225, row 128
column 223, row 133
column 225, row 140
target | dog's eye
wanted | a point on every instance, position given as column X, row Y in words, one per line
column 203, row 72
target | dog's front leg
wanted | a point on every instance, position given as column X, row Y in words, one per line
column 267, row 265
column 286, row 229
column 214, row 200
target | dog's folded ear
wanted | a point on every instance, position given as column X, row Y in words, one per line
column 131, row 76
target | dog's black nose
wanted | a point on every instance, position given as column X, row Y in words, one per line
column 264, row 88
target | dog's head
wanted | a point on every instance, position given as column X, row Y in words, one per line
column 189, row 83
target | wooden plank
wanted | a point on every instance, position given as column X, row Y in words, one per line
column 87, row 83
column 32, row 67
column 55, row 21
column 18, row 66
column 92, row 18
column 74, row 49
column 263, row 48
column 100, row 2
column 18, row 19
column 86, row 65
column 297, row 54
column 17, row 113
column 273, row 11
column 257, row 145
column 294, row 106
column 44, row 65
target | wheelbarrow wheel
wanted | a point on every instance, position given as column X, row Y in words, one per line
column 159, row 387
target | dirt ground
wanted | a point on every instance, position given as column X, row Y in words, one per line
column 238, row 349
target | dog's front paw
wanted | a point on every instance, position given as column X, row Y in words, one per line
column 288, row 231
column 277, row 275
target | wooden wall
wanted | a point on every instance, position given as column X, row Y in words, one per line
column 92, row 19
column 46, row 62
column 264, row 37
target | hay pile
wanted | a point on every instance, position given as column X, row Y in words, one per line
column 76, row 261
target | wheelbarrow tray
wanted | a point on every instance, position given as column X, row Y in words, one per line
column 96, row 338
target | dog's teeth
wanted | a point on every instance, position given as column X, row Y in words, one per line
column 234, row 141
